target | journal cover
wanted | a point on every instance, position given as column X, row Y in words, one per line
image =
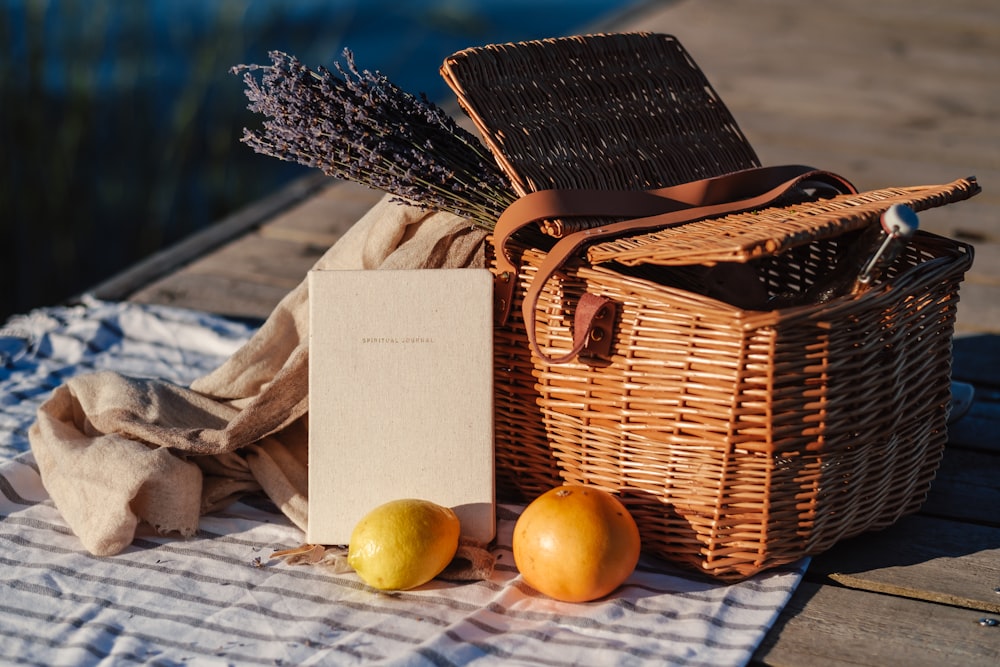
column 400, row 396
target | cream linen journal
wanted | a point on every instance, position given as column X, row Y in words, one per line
column 400, row 396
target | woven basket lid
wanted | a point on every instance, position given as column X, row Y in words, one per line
column 745, row 236
column 627, row 111
column 634, row 111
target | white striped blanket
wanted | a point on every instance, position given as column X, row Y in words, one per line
column 219, row 599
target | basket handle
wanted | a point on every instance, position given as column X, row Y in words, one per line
column 643, row 211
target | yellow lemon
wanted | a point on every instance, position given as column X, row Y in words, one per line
column 403, row 544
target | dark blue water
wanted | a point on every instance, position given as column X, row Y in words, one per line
column 120, row 124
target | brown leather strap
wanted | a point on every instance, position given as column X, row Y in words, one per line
column 643, row 211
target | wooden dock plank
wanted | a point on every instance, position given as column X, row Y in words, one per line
column 830, row 626
column 174, row 258
column 986, row 260
column 979, row 307
column 247, row 277
column 924, row 558
column 228, row 296
column 976, row 359
column 967, row 487
column 258, row 259
column 844, row 84
column 324, row 218
column 979, row 428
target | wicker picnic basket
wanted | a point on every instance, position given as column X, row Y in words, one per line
column 741, row 437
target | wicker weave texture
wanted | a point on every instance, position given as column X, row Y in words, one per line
column 739, row 440
column 742, row 237
column 567, row 112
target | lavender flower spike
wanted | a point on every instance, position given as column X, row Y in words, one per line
column 359, row 126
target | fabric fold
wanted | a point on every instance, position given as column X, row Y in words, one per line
column 114, row 451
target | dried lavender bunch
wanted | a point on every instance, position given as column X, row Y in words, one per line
column 359, row 126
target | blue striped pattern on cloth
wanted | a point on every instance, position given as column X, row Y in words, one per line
column 219, row 599
column 40, row 350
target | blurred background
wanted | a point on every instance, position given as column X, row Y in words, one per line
column 120, row 121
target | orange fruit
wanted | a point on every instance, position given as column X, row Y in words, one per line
column 575, row 543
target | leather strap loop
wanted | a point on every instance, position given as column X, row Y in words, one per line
column 643, row 211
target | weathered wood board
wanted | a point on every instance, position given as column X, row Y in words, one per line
column 829, row 626
column 921, row 557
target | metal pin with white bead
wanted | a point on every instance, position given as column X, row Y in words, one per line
column 899, row 223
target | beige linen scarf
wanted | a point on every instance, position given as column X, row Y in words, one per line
column 117, row 452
